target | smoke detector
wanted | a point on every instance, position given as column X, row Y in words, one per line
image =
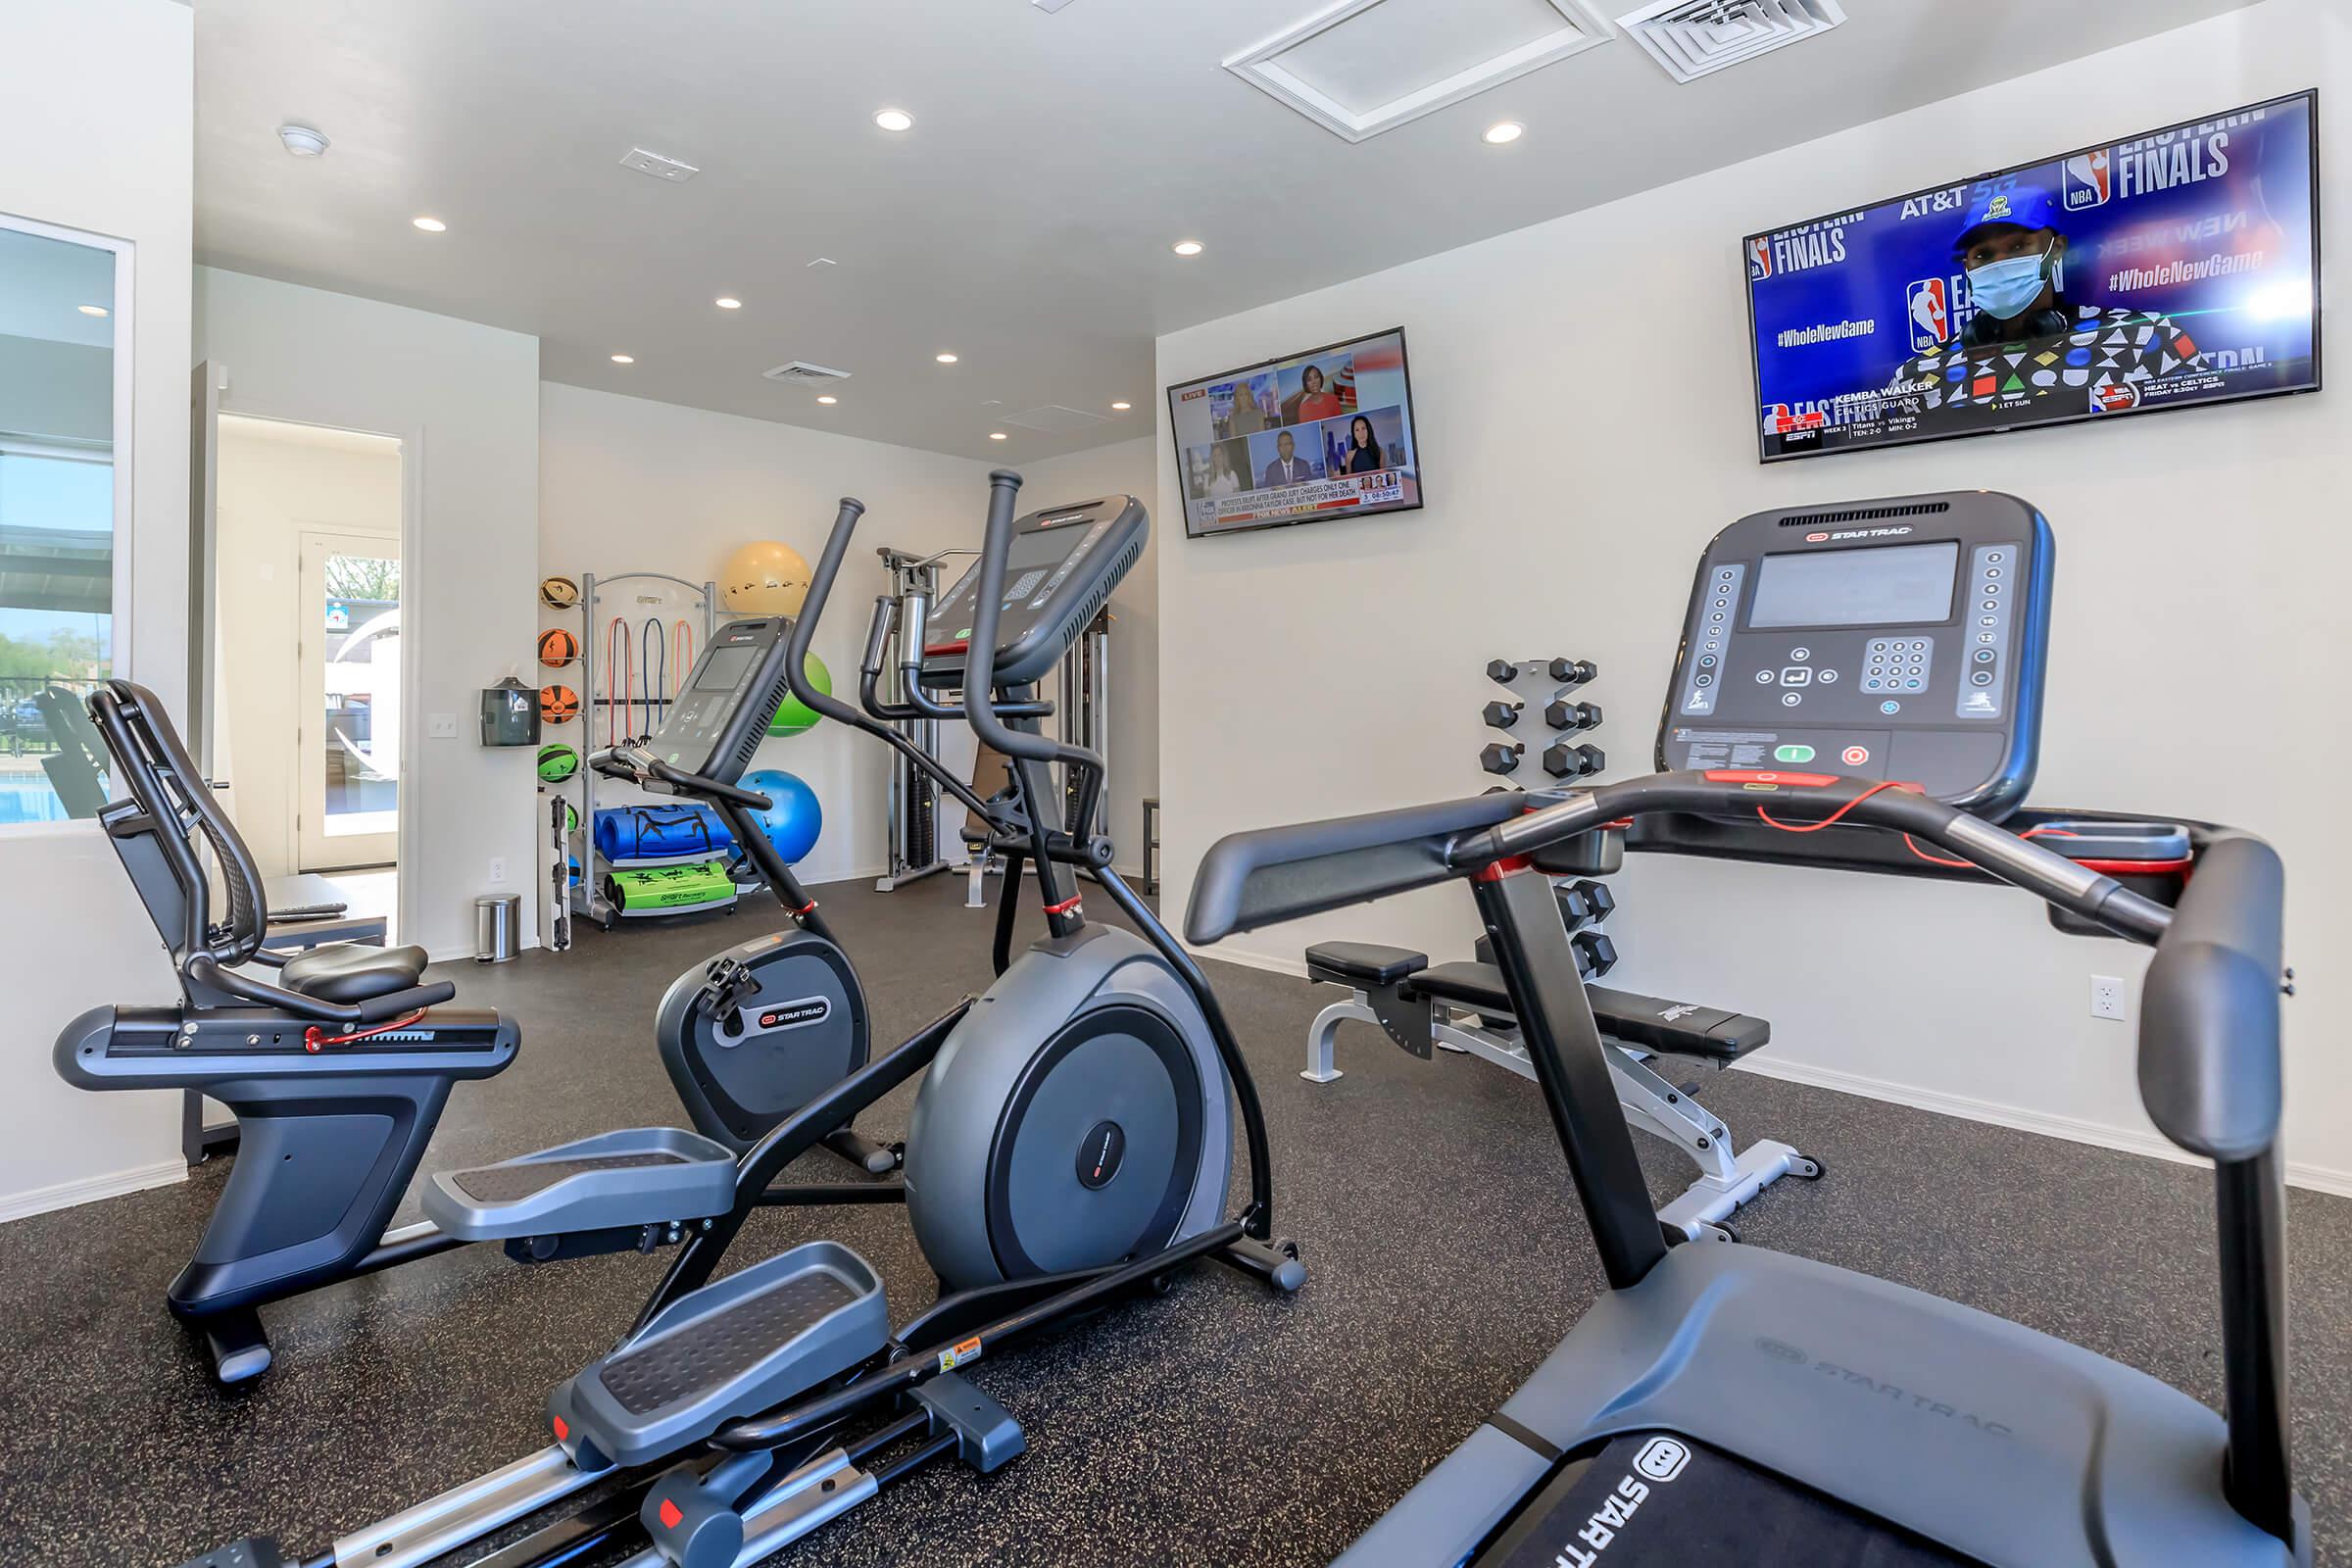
column 800, row 372
column 302, row 141
column 1693, row 39
column 659, row 166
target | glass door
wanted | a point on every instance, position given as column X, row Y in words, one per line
column 349, row 746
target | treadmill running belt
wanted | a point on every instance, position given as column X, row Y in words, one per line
column 1650, row 1499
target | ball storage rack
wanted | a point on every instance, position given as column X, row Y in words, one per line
column 588, row 893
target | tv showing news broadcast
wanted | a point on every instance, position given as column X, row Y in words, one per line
column 2163, row 271
column 1327, row 433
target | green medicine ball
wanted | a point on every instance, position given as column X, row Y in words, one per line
column 797, row 717
column 558, row 764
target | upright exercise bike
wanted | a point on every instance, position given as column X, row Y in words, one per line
column 1069, row 1145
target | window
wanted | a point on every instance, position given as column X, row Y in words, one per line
column 61, row 513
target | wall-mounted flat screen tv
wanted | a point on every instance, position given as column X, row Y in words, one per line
column 1328, row 434
column 2163, row 271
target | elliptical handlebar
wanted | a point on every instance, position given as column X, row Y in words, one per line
column 980, row 658
column 796, row 663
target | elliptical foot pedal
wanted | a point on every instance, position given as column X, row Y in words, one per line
column 640, row 1176
column 747, row 1344
column 254, row 1551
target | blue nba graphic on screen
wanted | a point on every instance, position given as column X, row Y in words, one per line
column 2157, row 271
column 2088, row 180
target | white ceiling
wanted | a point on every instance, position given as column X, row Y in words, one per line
column 1025, row 223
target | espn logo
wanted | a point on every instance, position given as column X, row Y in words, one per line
column 1927, row 307
column 2116, row 397
column 1760, row 258
column 2089, row 179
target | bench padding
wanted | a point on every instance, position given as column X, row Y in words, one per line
column 1362, row 964
column 1654, row 1023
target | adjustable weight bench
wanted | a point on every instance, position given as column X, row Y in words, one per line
column 1464, row 1008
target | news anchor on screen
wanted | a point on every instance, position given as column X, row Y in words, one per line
column 1223, row 479
column 1288, row 466
column 1364, row 449
column 1314, row 401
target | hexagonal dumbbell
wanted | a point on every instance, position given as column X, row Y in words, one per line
column 1501, row 759
column 1571, row 671
column 1582, row 761
column 1502, row 715
column 1501, row 671
column 1562, row 713
column 1584, row 902
column 1595, row 953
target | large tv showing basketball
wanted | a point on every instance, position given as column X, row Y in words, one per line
column 2168, row 269
column 1324, row 433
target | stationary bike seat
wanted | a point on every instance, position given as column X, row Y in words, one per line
column 353, row 971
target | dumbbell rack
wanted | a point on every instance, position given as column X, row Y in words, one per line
column 1567, row 760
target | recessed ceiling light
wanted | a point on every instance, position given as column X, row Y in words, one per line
column 302, row 141
column 1122, row 407
column 432, row 226
column 1190, row 247
column 1503, row 134
column 728, row 302
column 828, row 400
column 895, row 120
column 91, row 310
column 999, row 435
column 945, row 359
column 624, row 359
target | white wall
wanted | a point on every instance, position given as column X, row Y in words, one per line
column 99, row 94
column 1131, row 466
column 630, row 486
column 1586, row 413
column 276, row 483
column 464, row 400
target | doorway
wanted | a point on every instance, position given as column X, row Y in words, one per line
column 305, row 718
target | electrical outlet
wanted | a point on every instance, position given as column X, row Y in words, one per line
column 498, row 871
column 2107, row 997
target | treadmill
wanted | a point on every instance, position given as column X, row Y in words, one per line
column 1857, row 688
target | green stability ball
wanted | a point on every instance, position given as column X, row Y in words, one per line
column 796, row 716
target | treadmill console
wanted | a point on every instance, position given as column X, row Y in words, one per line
column 1063, row 564
column 1899, row 640
column 724, row 708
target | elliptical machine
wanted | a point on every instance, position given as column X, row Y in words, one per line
column 1070, row 1148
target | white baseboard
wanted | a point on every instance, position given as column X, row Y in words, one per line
column 2075, row 1129
column 88, row 1189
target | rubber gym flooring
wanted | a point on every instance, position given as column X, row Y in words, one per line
column 1220, row 1424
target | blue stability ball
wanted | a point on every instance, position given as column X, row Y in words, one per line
column 794, row 822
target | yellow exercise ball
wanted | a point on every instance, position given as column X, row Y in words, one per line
column 764, row 578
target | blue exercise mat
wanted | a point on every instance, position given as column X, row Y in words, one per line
column 654, row 832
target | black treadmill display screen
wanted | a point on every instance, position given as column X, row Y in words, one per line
column 1881, row 586
column 723, row 670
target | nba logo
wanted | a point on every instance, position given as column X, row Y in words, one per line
column 1929, row 305
column 1759, row 260
column 2089, row 180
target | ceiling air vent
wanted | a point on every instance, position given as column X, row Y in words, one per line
column 800, row 372
column 1693, row 39
column 1362, row 67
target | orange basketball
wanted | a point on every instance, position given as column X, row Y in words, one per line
column 558, row 705
column 557, row 647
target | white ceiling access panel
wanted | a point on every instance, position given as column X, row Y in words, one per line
column 1362, row 67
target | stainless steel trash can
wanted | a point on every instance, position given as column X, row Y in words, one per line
column 497, row 927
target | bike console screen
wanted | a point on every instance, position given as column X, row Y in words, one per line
column 724, row 708
column 1900, row 640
